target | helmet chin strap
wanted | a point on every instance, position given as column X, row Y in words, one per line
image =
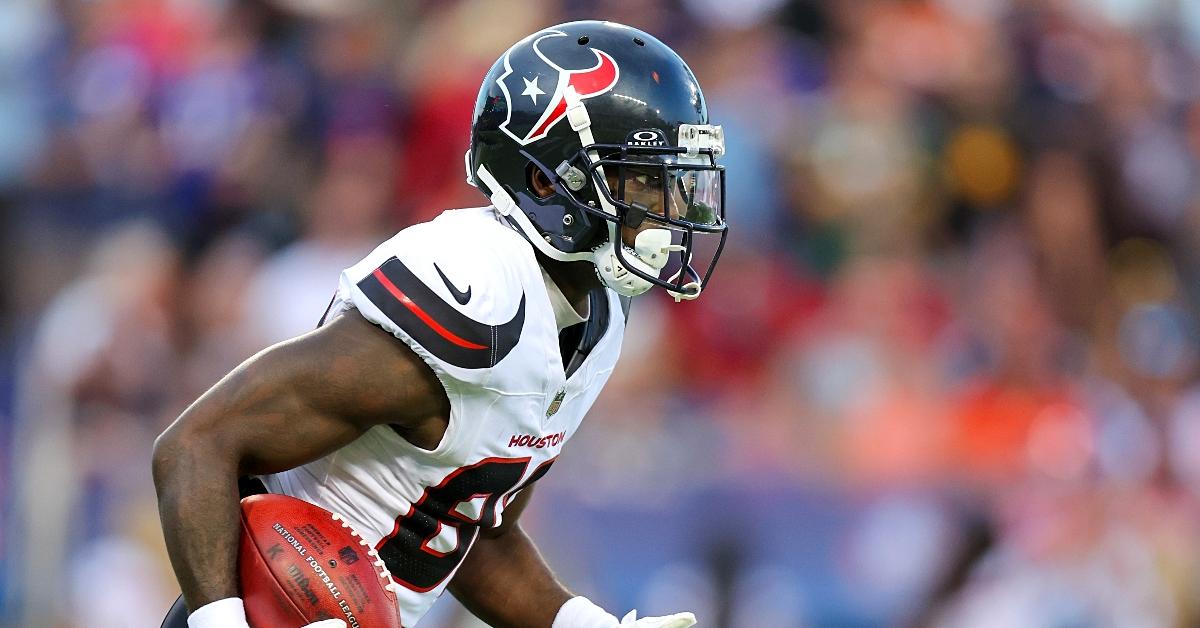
column 690, row 290
column 508, row 208
column 649, row 254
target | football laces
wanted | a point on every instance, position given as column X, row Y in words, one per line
column 380, row 566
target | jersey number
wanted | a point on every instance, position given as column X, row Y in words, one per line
column 433, row 537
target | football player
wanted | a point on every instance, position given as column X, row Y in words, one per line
column 459, row 357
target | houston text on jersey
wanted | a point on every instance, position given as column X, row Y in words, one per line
column 532, row 440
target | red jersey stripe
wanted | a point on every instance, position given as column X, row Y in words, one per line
column 421, row 314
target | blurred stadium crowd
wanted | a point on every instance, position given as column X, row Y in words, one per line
column 946, row 373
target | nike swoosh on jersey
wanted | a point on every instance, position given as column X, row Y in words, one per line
column 459, row 295
column 447, row 333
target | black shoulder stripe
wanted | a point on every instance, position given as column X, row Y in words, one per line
column 444, row 331
column 325, row 316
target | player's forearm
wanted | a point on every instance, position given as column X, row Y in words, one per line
column 198, row 507
column 505, row 582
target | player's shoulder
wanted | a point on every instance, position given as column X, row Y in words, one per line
column 455, row 228
column 456, row 286
column 465, row 256
column 474, row 244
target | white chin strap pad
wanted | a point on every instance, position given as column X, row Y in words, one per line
column 650, row 246
column 649, row 254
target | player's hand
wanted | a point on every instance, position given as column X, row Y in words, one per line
column 678, row 620
column 580, row 612
column 231, row 613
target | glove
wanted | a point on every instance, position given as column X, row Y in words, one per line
column 227, row 613
column 678, row 620
column 231, row 613
column 580, row 612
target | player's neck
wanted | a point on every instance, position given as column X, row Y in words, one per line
column 574, row 279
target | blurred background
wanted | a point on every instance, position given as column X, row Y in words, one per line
column 945, row 375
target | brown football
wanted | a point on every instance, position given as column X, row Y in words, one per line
column 299, row 563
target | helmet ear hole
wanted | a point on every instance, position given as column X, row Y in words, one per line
column 538, row 182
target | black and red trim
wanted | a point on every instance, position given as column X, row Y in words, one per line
column 537, row 474
column 407, row 549
column 435, row 324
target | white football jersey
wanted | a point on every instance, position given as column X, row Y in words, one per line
column 466, row 293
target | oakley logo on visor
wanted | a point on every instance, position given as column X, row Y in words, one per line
column 646, row 137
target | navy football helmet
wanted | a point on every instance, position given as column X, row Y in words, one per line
column 616, row 122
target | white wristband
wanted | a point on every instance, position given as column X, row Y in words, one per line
column 580, row 612
column 226, row 613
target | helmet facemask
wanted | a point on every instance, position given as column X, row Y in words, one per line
column 664, row 206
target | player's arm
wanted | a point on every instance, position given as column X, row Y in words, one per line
column 505, row 582
column 288, row 405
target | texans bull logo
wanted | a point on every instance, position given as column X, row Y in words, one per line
column 540, row 72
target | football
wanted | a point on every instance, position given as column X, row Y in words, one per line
column 299, row 563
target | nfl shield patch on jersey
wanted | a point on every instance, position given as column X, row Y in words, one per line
column 557, row 403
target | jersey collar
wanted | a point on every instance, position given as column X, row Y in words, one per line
column 564, row 314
